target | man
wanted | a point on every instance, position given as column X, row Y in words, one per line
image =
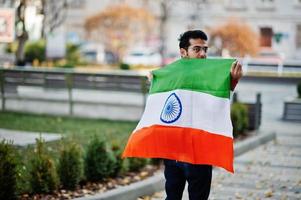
column 193, row 44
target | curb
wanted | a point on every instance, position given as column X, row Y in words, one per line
column 253, row 142
column 132, row 191
column 156, row 183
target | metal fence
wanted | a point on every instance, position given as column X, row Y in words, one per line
column 11, row 79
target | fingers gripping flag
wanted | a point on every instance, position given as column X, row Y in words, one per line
column 187, row 115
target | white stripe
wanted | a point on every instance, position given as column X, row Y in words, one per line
column 199, row 111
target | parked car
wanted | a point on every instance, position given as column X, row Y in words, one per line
column 93, row 53
column 96, row 53
column 145, row 57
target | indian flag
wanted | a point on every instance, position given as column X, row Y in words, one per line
column 187, row 115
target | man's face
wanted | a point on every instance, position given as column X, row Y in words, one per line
column 197, row 49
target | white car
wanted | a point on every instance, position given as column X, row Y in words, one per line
column 143, row 57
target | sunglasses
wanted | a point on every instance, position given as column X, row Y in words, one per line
column 197, row 49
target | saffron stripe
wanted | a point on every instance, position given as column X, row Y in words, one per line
column 182, row 144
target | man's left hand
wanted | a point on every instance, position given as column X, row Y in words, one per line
column 236, row 70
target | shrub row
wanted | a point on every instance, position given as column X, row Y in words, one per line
column 73, row 165
column 8, row 171
column 239, row 117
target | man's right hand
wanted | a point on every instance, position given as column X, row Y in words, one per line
column 236, row 71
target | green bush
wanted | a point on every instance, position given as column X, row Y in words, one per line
column 239, row 117
column 124, row 66
column 99, row 161
column 11, row 47
column 73, row 54
column 43, row 177
column 119, row 164
column 156, row 161
column 299, row 89
column 23, row 185
column 66, row 65
column 135, row 164
column 72, row 58
column 8, row 171
column 70, row 166
column 35, row 50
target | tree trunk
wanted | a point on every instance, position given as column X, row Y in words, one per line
column 20, row 51
column 163, row 20
column 43, row 12
column 23, row 35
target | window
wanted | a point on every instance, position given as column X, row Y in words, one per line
column 265, row 4
column 236, row 5
column 297, row 4
column 76, row 4
column 266, row 34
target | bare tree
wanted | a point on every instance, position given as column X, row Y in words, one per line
column 119, row 25
column 21, row 32
column 54, row 16
column 54, row 13
column 237, row 37
column 166, row 9
column 165, row 6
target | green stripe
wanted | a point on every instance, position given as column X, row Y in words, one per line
column 211, row 76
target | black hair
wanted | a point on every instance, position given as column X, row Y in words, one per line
column 193, row 34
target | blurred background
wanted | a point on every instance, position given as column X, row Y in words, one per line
column 72, row 33
column 73, row 82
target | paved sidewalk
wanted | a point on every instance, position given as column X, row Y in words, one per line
column 272, row 171
column 24, row 138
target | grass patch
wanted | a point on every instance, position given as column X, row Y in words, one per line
column 80, row 129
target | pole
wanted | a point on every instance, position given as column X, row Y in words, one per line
column 2, row 89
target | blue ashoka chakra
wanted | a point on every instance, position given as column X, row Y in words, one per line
column 172, row 109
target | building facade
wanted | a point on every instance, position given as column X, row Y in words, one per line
column 277, row 22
